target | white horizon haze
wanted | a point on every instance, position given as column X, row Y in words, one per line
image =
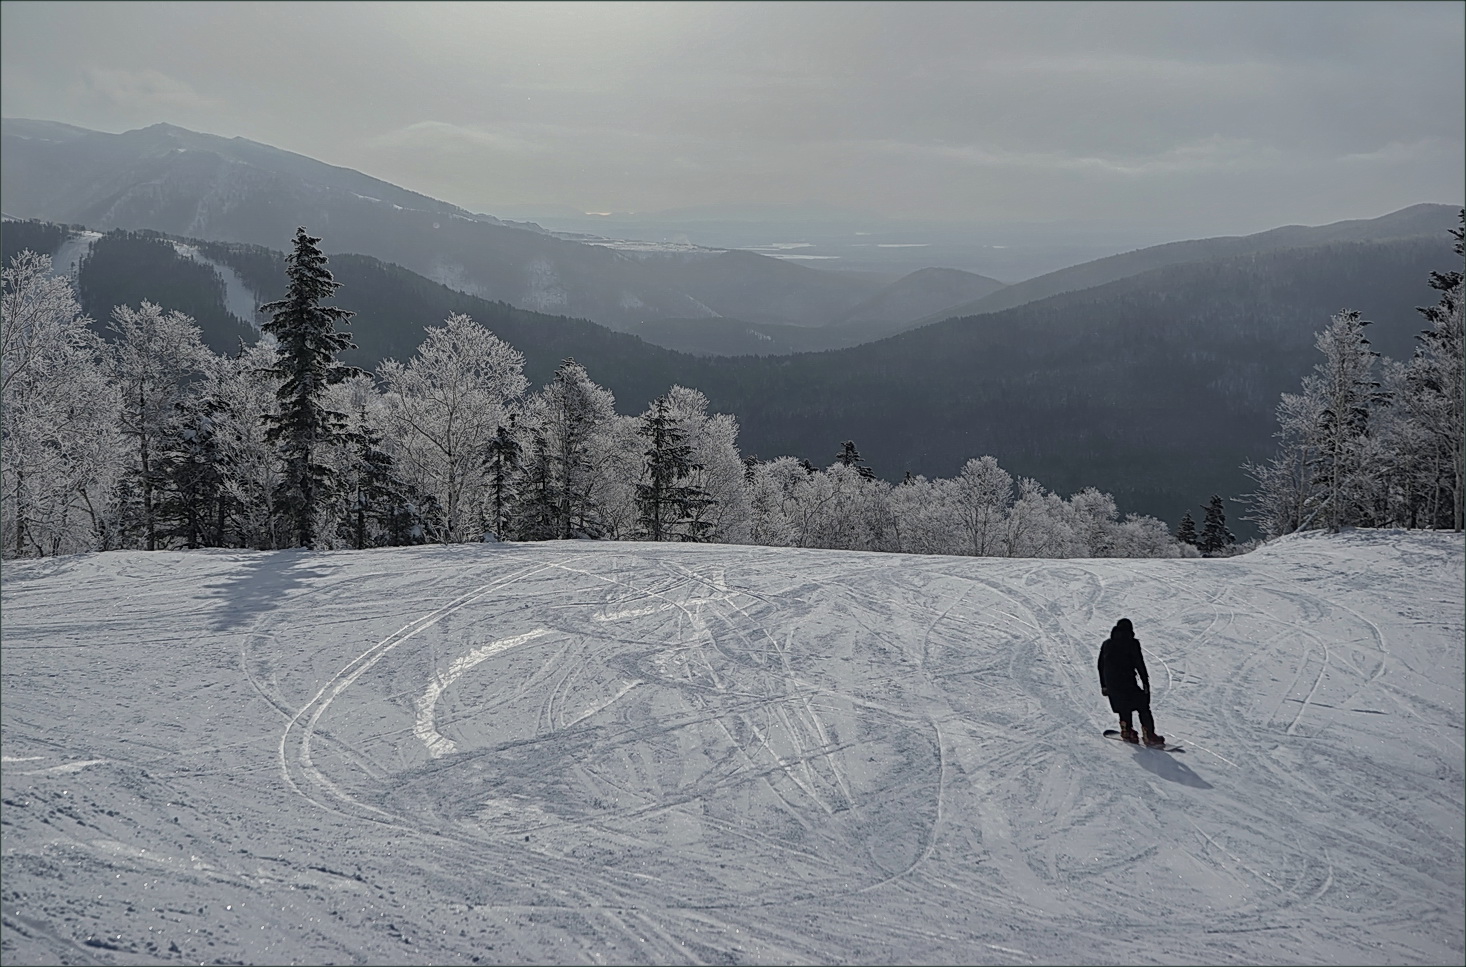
column 1209, row 118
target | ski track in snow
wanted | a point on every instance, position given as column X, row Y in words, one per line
column 639, row 753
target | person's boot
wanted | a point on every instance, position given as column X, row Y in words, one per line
column 1128, row 733
column 1153, row 740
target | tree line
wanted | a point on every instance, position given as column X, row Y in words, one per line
column 148, row 439
column 1367, row 445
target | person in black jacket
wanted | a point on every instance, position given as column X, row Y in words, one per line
column 1120, row 661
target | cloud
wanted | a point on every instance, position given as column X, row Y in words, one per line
column 444, row 136
column 1401, row 152
column 1204, row 155
column 142, row 90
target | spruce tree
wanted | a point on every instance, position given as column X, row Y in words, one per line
column 308, row 338
column 194, row 499
column 576, row 415
column 850, row 457
column 1186, row 533
column 505, row 456
column 1214, row 534
column 665, row 504
column 376, row 494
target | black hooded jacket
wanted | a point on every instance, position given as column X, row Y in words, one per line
column 1120, row 661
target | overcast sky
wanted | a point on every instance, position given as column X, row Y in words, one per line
column 1223, row 117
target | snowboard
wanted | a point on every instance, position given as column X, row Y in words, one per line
column 1168, row 747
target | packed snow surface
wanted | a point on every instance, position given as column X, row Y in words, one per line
column 654, row 753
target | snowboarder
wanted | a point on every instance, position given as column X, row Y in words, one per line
column 1120, row 661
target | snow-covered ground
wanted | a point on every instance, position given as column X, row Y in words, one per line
column 640, row 753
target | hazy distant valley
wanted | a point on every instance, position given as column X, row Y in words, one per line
column 1150, row 374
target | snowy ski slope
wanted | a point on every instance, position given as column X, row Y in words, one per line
column 642, row 753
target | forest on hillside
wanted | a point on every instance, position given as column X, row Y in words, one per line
column 149, row 439
column 121, row 468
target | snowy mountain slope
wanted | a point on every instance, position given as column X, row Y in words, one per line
column 593, row 753
column 201, row 186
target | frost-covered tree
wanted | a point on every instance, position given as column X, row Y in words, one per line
column 838, row 499
column 922, row 516
column 617, row 455
column 668, row 504
column 720, row 471
column 787, row 494
column 157, row 357
column 1091, row 518
column 767, row 486
column 1434, row 378
column 574, row 417
column 983, row 492
column 1036, row 525
column 1345, row 386
column 376, row 507
column 62, row 453
column 1284, row 499
column 1141, row 536
column 444, row 407
column 244, row 394
column 306, row 333
column 1356, row 451
column 1325, row 473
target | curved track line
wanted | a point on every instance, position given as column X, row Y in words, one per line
column 426, row 728
column 348, row 676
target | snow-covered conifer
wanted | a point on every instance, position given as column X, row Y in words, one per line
column 309, row 341
column 575, row 416
column 1215, row 538
column 667, row 502
column 721, row 474
column 1186, row 533
column 1436, row 379
column 193, row 500
column 1345, row 387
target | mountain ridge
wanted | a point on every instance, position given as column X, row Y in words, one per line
column 1413, row 221
column 168, row 179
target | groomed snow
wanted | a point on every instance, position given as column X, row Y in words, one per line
column 641, row 753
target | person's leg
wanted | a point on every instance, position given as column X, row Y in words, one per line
column 1127, row 730
column 1147, row 723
